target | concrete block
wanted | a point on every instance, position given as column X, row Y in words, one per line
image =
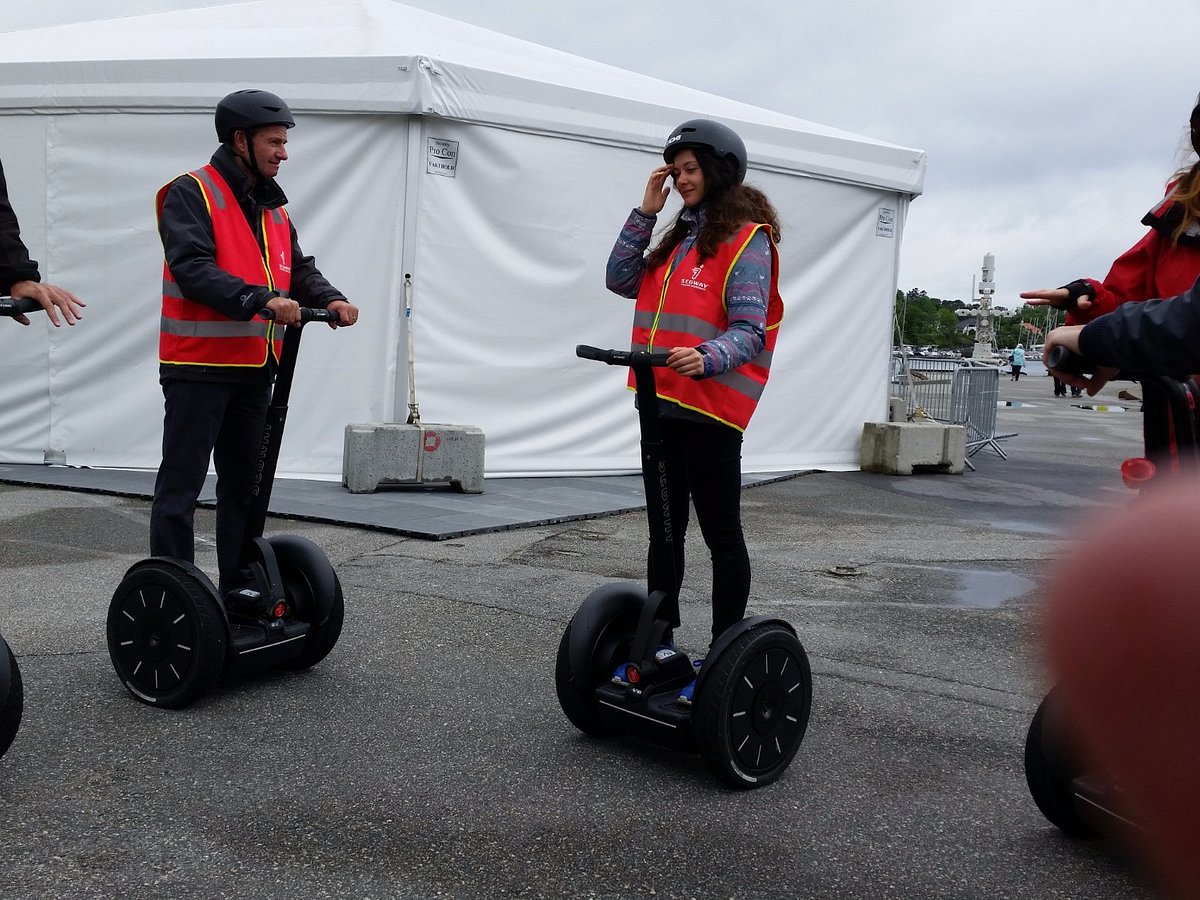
column 390, row 453
column 901, row 448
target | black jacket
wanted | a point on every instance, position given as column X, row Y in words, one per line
column 190, row 250
column 1155, row 337
column 15, row 264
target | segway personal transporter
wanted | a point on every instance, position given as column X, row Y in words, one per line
column 12, row 692
column 171, row 635
column 1079, row 802
column 751, row 702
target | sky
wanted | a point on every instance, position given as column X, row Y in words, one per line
column 1051, row 126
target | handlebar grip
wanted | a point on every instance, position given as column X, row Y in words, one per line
column 623, row 357
column 585, row 351
column 307, row 314
column 1065, row 361
column 18, row 306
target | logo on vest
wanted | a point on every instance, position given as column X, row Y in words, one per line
column 694, row 281
column 283, row 266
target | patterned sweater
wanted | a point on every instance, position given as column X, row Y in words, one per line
column 747, row 291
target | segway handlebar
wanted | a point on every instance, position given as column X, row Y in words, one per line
column 1065, row 361
column 307, row 314
column 17, row 306
column 622, row 357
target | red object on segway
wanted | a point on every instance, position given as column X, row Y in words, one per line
column 1137, row 470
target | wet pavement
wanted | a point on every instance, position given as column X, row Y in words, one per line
column 428, row 756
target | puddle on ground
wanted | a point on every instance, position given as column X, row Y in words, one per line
column 1100, row 407
column 987, row 589
column 1014, row 403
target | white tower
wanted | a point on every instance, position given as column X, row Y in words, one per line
column 985, row 333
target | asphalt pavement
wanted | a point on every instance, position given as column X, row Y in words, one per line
column 428, row 755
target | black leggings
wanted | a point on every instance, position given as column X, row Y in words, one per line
column 704, row 462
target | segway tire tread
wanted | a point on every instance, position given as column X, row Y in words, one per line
column 603, row 628
column 751, row 709
column 167, row 635
column 1050, row 773
column 14, row 703
column 321, row 637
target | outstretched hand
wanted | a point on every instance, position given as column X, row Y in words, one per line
column 657, row 191
column 52, row 298
column 1059, row 298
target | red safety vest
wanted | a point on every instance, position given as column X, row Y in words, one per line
column 683, row 306
column 193, row 333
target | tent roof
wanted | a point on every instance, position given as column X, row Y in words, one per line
column 381, row 56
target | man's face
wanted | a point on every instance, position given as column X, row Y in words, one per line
column 270, row 148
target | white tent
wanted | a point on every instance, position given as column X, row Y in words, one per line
column 496, row 172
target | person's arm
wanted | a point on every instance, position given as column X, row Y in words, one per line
column 1130, row 278
column 19, row 276
column 746, row 297
column 311, row 288
column 185, row 227
column 15, row 264
column 627, row 261
column 1157, row 336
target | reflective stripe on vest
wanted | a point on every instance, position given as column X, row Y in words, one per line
column 193, row 333
column 675, row 308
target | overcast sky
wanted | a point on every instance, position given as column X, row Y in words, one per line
column 1051, row 126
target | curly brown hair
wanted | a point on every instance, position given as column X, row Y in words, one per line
column 1187, row 196
column 728, row 206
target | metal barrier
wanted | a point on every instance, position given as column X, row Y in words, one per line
column 976, row 399
column 954, row 393
column 925, row 386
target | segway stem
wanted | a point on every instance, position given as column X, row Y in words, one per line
column 272, row 436
column 654, row 468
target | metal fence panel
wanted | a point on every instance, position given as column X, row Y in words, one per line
column 954, row 393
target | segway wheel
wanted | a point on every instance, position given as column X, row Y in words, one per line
column 752, row 706
column 14, row 703
column 314, row 593
column 321, row 636
column 1051, row 769
column 166, row 635
column 597, row 640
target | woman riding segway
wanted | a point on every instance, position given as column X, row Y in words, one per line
column 707, row 311
column 708, row 293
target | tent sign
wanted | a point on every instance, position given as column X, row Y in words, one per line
column 885, row 225
column 441, row 157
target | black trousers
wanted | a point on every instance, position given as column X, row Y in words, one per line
column 218, row 420
column 704, row 464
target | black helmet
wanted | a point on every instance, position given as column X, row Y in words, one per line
column 250, row 109
column 720, row 139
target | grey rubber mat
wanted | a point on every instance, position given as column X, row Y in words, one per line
column 432, row 512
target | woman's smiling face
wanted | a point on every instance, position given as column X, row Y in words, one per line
column 688, row 176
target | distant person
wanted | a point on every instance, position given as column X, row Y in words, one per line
column 217, row 360
column 1165, row 262
column 707, row 292
column 19, row 276
column 1060, row 387
column 1018, row 362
